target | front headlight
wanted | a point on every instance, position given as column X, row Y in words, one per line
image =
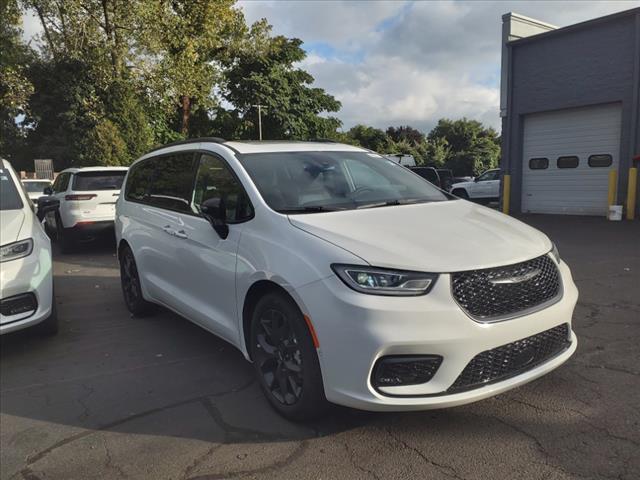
column 382, row 281
column 555, row 253
column 15, row 250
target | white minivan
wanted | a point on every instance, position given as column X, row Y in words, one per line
column 26, row 267
column 343, row 276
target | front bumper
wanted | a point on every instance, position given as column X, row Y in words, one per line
column 31, row 274
column 354, row 330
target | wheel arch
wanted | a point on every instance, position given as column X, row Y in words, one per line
column 257, row 290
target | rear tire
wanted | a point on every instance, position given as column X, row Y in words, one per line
column 63, row 238
column 49, row 326
column 131, row 287
column 460, row 193
column 285, row 359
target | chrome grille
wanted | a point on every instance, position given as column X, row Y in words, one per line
column 501, row 292
column 512, row 359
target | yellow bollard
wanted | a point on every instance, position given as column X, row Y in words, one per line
column 506, row 193
column 613, row 183
column 631, row 193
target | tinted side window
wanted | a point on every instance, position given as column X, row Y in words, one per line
column 61, row 183
column 171, row 186
column 215, row 180
column 138, row 181
column 602, row 160
column 568, row 162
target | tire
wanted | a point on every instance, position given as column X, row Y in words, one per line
column 63, row 238
column 461, row 193
column 131, row 287
column 285, row 359
column 49, row 326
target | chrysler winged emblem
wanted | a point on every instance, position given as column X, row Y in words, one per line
column 516, row 278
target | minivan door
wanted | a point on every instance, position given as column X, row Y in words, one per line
column 210, row 260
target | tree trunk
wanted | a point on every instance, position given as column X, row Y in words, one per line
column 185, row 100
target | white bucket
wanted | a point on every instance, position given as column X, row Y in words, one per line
column 615, row 212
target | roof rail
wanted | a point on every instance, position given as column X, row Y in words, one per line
column 190, row 140
column 322, row 140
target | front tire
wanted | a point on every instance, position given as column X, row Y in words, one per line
column 63, row 238
column 285, row 358
column 461, row 193
column 131, row 287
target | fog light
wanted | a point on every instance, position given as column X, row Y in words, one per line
column 397, row 370
column 18, row 304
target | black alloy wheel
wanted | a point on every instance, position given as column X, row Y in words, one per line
column 278, row 356
column 130, row 282
column 285, row 358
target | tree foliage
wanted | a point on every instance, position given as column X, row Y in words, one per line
column 111, row 78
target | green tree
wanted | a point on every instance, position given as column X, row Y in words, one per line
column 472, row 147
column 405, row 133
column 262, row 72
column 15, row 86
column 371, row 138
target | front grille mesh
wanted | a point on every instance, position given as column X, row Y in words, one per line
column 512, row 359
column 486, row 295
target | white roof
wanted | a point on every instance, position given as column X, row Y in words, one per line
column 290, row 146
column 40, row 180
column 94, row 169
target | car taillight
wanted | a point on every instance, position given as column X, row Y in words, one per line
column 87, row 196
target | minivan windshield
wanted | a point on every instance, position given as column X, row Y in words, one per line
column 319, row 181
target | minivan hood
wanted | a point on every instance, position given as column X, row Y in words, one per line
column 447, row 236
column 10, row 224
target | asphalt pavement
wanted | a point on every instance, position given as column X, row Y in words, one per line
column 113, row 396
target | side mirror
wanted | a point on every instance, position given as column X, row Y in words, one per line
column 47, row 191
column 214, row 210
column 47, row 204
column 476, row 179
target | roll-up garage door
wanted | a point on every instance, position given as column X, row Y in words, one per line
column 567, row 156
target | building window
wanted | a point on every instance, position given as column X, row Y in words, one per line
column 568, row 162
column 538, row 163
column 601, row 160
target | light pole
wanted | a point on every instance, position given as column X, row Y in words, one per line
column 259, row 120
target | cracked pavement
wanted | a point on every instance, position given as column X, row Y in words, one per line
column 115, row 397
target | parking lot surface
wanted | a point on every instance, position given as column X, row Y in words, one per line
column 113, row 396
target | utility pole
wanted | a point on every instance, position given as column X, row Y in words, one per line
column 259, row 120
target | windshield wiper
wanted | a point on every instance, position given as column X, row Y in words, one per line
column 389, row 203
column 310, row 209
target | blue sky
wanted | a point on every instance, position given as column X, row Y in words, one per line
column 411, row 62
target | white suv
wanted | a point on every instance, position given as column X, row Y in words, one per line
column 343, row 276
column 26, row 270
column 82, row 203
column 483, row 188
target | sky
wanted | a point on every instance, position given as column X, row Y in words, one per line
column 407, row 62
column 398, row 63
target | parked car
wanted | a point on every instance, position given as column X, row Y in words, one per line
column 36, row 188
column 428, row 173
column 81, row 204
column 341, row 275
column 446, row 178
column 484, row 188
column 26, row 275
column 401, row 158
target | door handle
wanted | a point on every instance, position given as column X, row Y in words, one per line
column 174, row 233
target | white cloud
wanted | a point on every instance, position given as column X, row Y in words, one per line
column 417, row 62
